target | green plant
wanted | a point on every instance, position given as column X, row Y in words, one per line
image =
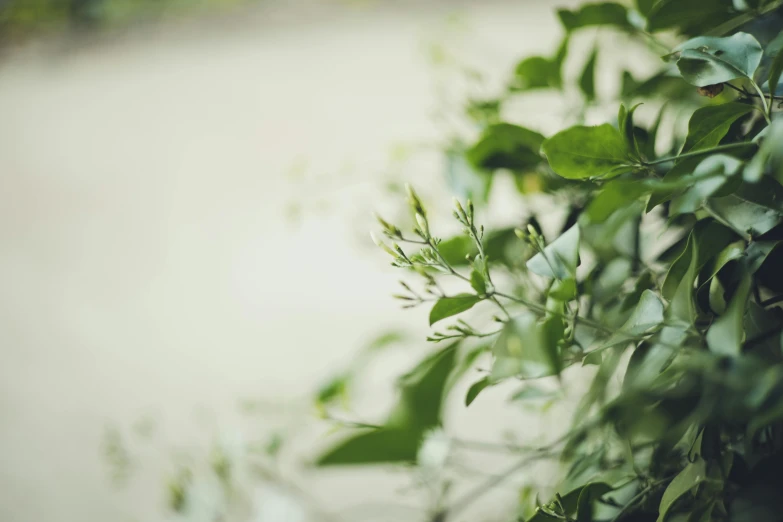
column 661, row 286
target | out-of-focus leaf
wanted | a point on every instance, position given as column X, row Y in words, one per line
column 688, row 16
column 527, row 348
column 587, row 79
column 681, row 307
column 614, row 195
column 476, row 388
column 708, row 177
column 708, row 60
column 448, row 306
column 506, row 146
column 708, row 125
column 478, row 282
column 725, row 335
column 374, row 447
column 560, row 258
column 589, row 494
column 769, row 158
column 585, row 152
column 605, row 13
column 745, row 217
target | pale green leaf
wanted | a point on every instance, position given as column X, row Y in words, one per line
column 560, row 258
column 726, row 334
column 708, row 60
column 691, row 476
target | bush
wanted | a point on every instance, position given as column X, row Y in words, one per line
column 665, row 273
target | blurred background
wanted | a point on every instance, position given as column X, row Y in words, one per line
column 186, row 192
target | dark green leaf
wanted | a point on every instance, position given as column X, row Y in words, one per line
column 775, row 71
column 448, row 306
column 688, row 16
column 725, row 335
column 606, row 13
column 708, row 60
column 681, row 306
column 587, row 79
column 589, row 494
column 615, row 194
column 708, row 125
column 627, row 129
column 708, row 177
column 475, row 389
column 694, row 474
column 584, row 152
column 560, row 258
column 506, row 146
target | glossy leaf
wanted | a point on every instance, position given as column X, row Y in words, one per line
column 690, row 477
column 707, row 60
column 586, row 152
column 560, row 258
column 448, row 306
column 708, row 125
column 745, row 217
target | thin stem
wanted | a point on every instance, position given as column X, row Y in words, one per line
column 766, row 108
column 772, row 300
column 750, row 94
column 696, row 153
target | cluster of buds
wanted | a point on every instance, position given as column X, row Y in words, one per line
column 461, row 329
column 531, row 237
column 465, row 217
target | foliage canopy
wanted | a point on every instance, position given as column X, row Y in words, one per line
column 661, row 287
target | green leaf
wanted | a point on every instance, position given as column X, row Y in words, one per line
column 455, row 249
column 646, row 317
column 776, row 69
column 688, row 16
column 691, row 476
column 475, row 389
column 563, row 289
column 585, row 152
column 334, row 389
column 374, row 447
column 423, row 390
column 708, row 177
column 769, row 158
column 536, row 72
column 506, row 146
column 449, row 306
column 708, row 60
column 529, row 393
column 708, row 125
column 725, row 335
column 625, row 122
column 527, row 348
column 681, row 306
column 587, row 497
column 477, row 282
column 560, row 258
column 587, row 79
column 606, row 13
column 615, row 195
column 745, row 217
column 710, row 237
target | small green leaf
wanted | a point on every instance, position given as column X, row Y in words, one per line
column 585, row 152
column 506, row 146
column 646, row 317
column 769, row 158
column 606, row 13
column 560, row 258
column 477, row 282
column 563, row 289
column 529, row 393
column 691, row 476
column 475, row 389
column 625, row 122
column 374, row 447
column 708, row 125
column 448, row 306
column 708, row 60
column 725, row 335
column 587, row 79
